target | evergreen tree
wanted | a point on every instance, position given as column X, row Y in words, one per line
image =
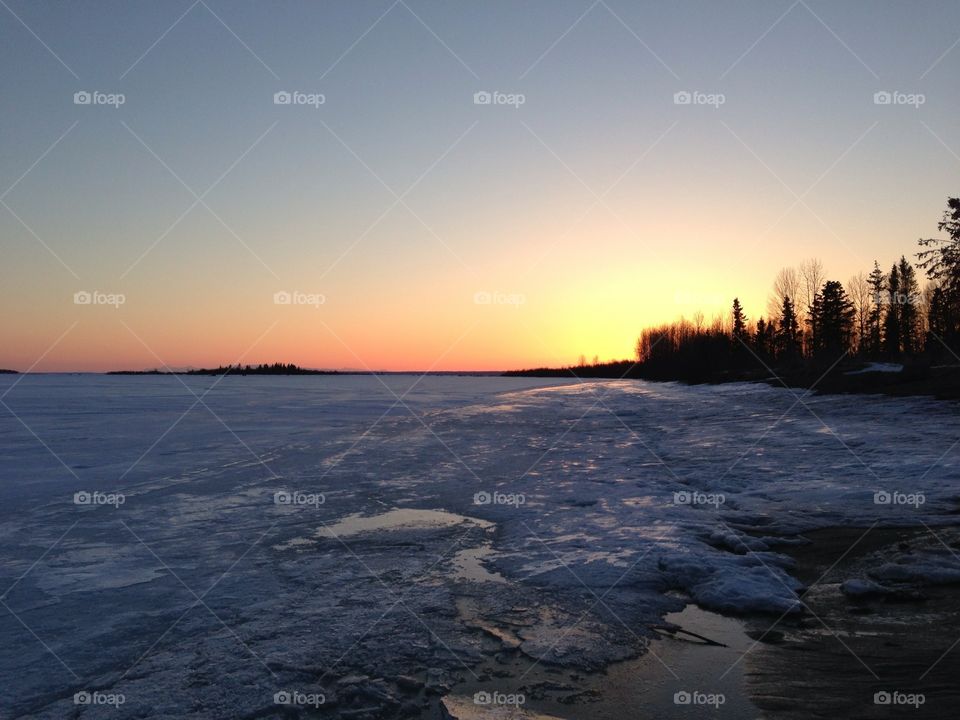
column 877, row 281
column 832, row 316
column 764, row 338
column 941, row 261
column 938, row 317
column 739, row 321
column 891, row 319
column 907, row 301
column 788, row 336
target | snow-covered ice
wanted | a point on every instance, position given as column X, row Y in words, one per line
column 288, row 534
column 878, row 367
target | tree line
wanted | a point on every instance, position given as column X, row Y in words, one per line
column 810, row 319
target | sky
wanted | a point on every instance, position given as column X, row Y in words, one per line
column 162, row 206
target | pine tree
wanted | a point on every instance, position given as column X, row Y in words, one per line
column 760, row 338
column 832, row 316
column 941, row 261
column 877, row 281
column 739, row 321
column 788, row 336
column 907, row 301
column 937, row 316
column 891, row 319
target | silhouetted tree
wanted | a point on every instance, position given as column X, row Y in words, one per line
column 788, row 336
column 859, row 289
column 908, row 301
column 891, row 318
column 877, row 281
column 739, row 321
column 812, row 276
column 765, row 339
column 831, row 319
column 938, row 317
column 785, row 285
column 941, row 262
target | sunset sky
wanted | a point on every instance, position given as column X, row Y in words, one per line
column 440, row 233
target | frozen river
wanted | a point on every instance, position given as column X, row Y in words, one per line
column 190, row 547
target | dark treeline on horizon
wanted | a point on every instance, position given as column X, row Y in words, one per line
column 292, row 369
column 813, row 322
column 262, row 369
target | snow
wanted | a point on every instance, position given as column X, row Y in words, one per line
column 928, row 568
column 201, row 596
column 878, row 367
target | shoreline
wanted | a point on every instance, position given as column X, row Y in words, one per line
column 941, row 382
column 852, row 645
column 829, row 661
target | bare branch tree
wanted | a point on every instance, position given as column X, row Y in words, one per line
column 698, row 322
column 862, row 297
column 813, row 275
column 785, row 285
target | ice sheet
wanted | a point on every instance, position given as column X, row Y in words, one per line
column 588, row 503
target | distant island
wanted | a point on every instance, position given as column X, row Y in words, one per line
column 9, row 372
column 263, row 369
column 291, row 369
